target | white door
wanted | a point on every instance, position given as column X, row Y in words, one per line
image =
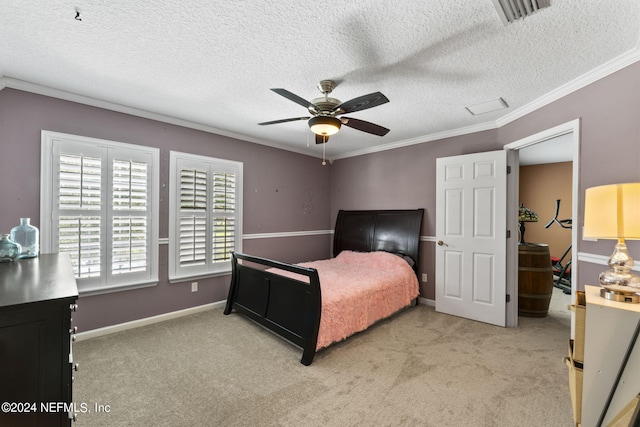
column 471, row 229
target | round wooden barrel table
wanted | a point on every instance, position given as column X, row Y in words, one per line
column 535, row 280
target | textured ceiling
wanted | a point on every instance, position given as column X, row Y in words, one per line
column 212, row 63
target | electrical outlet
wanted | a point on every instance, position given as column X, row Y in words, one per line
column 194, row 287
column 424, row 277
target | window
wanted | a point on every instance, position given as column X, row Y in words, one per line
column 99, row 203
column 205, row 218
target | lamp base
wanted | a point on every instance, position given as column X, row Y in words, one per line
column 619, row 280
column 619, row 296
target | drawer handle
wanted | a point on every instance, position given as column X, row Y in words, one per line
column 73, row 307
column 73, row 330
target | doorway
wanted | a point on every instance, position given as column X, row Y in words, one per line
column 570, row 133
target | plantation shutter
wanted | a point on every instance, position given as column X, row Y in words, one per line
column 193, row 217
column 204, row 221
column 224, row 207
column 130, row 231
column 99, row 204
column 79, row 207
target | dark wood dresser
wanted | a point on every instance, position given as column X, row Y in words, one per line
column 37, row 298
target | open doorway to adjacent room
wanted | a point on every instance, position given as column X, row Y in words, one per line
column 545, row 191
column 545, row 181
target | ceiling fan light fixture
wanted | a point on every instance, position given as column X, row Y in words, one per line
column 324, row 125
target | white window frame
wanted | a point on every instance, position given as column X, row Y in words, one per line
column 177, row 161
column 51, row 144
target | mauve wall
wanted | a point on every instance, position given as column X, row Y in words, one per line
column 609, row 110
column 283, row 192
column 403, row 178
column 290, row 192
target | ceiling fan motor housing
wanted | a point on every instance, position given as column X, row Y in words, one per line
column 324, row 105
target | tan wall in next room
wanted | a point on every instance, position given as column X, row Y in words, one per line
column 540, row 187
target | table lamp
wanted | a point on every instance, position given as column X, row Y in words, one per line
column 613, row 212
column 525, row 215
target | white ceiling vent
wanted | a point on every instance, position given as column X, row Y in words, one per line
column 487, row 107
column 512, row 10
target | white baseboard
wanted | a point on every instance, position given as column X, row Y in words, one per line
column 107, row 330
column 586, row 257
column 81, row 336
column 425, row 301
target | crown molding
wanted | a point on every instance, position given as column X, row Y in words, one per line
column 25, row 86
column 586, row 79
column 592, row 76
column 618, row 63
column 420, row 140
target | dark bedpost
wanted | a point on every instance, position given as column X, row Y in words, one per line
column 309, row 349
column 232, row 287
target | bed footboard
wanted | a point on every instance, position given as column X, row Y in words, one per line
column 291, row 308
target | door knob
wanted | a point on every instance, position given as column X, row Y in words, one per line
column 441, row 243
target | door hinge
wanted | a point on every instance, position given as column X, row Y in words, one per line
column 508, row 234
column 508, row 169
column 508, row 298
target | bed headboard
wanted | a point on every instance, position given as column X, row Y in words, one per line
column 396, row 231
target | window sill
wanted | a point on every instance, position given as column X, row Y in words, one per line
column 98, row 290
column 180, row 279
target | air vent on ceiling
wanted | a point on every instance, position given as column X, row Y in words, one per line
column 487, row 107
column 512, row 10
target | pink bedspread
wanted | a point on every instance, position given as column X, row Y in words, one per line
column 359, row 289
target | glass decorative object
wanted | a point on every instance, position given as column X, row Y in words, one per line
column 9, row 250
column 28, row 237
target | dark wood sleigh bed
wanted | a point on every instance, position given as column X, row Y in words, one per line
column 291, row 307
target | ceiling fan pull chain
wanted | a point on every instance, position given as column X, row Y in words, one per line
column 324, row 162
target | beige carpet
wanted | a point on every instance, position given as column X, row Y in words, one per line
column 419, row 368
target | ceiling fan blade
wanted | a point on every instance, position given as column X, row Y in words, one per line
column 293, row 97
column 364, row 126
column 321, row 139
column 273, row 122
column 363, row 102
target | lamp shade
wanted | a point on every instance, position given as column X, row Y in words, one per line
column 526, row 214
column 324, row 125
column 612, row 212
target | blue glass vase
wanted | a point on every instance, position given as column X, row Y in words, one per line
column 9, row 250
column 28, row 237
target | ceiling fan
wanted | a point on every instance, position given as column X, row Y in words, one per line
column 324, row 111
